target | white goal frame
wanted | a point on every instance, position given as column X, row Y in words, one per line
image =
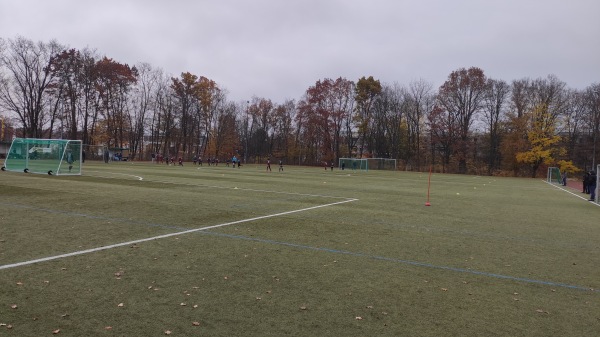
column 553, row 175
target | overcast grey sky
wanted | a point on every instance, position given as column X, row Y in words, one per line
column 278, row 48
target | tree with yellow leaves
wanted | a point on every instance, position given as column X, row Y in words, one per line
column 542, row 140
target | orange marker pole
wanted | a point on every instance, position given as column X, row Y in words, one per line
column 427, row 203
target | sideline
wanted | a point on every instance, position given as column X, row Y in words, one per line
column 577, row 195
column 134, row 242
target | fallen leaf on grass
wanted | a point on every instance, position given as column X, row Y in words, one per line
column 19, row 283
column 369, row 307
column 444, row 289
column 9, row 326
column 196, row 323
column 259, row 298
column 13, row 306
column 108, row 328
column 303, row 307
column 182, row 304
column 358, row 318
column 195, row 306
column 167, row 332
column 54, row 332
column 120, row 305
column 541, row 311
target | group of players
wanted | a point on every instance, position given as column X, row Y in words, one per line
column 197, row 160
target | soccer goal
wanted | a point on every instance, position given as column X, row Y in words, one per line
column 365, row 164
column 44, row 156
column 554, row 175
column 353, row 164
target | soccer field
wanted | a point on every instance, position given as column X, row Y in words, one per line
column 138, row 249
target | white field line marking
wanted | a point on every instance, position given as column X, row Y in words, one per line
column 92, row 250
column 563, row 189
column 124, row 174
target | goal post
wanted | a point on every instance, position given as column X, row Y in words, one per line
column 44, row 156
column 554, row 175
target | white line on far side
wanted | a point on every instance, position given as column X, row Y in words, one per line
column 92, row 250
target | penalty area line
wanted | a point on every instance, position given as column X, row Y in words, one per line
column 133, row 242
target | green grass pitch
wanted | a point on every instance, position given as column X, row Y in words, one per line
column 138, row 249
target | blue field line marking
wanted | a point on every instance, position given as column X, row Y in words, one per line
column 406, row 262
column 329, row 250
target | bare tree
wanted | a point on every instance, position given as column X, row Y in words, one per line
column 420, row 99
column 494, row 110
column 142, row 96
column 462, row 95
column 28, row 77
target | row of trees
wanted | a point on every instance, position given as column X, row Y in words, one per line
column 470, row 124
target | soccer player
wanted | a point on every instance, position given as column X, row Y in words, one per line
column 280, row 165
column 268, row 164
column 70, row 159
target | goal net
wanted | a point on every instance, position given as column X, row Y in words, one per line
column 44, row 156
column 353, row 164
column 365, row 164
column 554, row 175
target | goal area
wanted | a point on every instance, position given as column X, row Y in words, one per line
column 44, row 156
column 366, row 164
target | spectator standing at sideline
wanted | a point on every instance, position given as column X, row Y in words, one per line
column 592, row 186
column 586, row 181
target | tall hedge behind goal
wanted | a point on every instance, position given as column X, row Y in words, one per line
column 44, row 156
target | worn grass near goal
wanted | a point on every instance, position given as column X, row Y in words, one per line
column 143, row 250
